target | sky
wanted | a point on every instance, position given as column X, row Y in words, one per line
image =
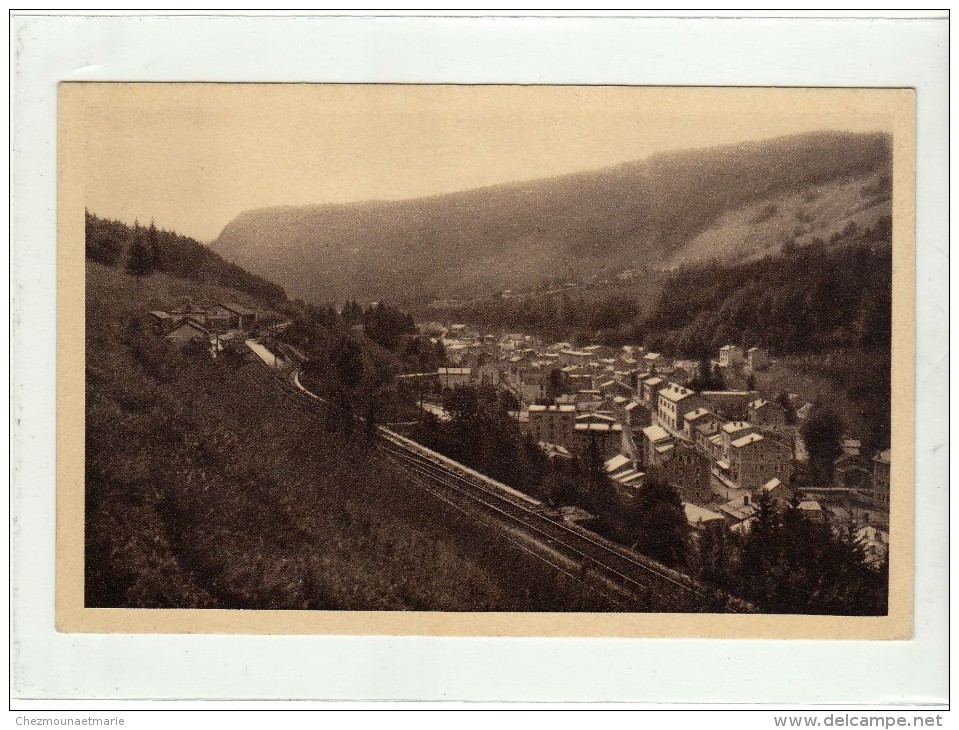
column 193, row 156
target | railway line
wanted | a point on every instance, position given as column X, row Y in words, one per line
column 626, row 579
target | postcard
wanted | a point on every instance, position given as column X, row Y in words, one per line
column 486, row 360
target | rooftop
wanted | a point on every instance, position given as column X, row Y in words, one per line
column 746, row 440
column 656, row 433
column 675, row 393
column 697, row 414
column 738, row 510
column 598, row 427
column 552, row 409
column 617, row 462
column 698, row 515
column 628, row 477
column 237, row 308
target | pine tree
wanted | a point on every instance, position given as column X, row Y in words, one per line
column 139, row 262
column 153, row 247
column 822, row 434
column 657, row 522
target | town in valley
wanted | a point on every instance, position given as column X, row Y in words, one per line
column 527, row 375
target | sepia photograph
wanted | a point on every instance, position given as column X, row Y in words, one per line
column 593, row 352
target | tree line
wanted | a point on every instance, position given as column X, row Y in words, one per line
column 142, row 251
column 808, row 299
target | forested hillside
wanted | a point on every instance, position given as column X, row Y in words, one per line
column 203, row 490
column 649, row 213
column 808, row 300
column 146, row 249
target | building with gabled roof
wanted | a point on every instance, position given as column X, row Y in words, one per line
column 738, row 510
column 700, row 518
column 657, row 446
column 674, row 402
column 241, row 317
column 649, row 390
column 188, row 330
column 766, row 413
column 778, row 493
column 732, row 430
column 731, row 356
column 696, row 418
column 753, row 460
column 812, row 510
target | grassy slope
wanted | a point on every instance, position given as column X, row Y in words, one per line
column 761, row 229
column 203, row 491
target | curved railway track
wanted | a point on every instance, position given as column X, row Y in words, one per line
column 628, row 580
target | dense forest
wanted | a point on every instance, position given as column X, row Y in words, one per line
column 142, row 250
column 816, row 298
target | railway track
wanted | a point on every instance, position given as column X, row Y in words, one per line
column 643, row 584
column 626, row 579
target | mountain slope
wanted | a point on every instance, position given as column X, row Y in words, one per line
column 204, row 489
column 646, row 212
column 109, row 243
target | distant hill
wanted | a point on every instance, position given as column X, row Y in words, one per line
column 730, row 203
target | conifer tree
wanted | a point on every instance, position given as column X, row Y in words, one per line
column 139, row 262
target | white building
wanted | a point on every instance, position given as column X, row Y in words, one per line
column 731, row 356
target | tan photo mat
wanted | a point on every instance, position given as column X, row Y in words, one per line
column 80, row 110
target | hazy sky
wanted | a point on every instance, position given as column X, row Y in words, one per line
column 194, row 156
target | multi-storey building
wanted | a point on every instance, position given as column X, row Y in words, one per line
column 657, row 445
column 755, row 459
column 732, row 405
column 756, row 358
column 674, row 403
column 731, row 356
column 553, row 424
column 696, row 418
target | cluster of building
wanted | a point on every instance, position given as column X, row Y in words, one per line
column 214, row 324
column 721, row 449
